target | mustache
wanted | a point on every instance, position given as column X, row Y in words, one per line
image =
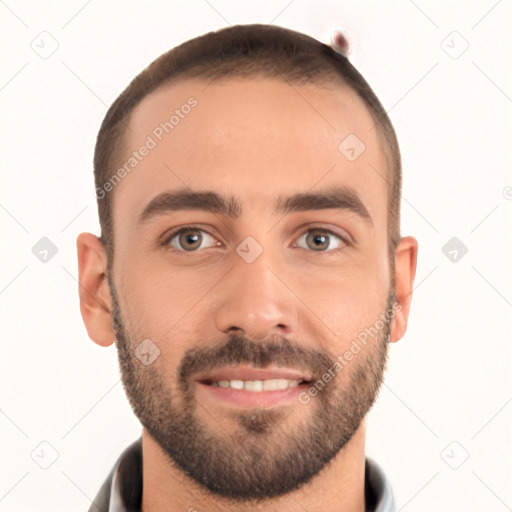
column 239, row 349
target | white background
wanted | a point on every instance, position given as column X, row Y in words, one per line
column 449, row 377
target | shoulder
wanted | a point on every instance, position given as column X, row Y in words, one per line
column 123, row 484
column 378, row 490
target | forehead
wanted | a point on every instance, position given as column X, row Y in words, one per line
column 254, row 139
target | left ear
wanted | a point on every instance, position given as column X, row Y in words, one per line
column 406, row 255
column 93, row 289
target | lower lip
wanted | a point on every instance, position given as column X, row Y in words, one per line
column 244, row 398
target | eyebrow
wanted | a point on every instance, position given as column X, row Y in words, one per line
column 340, row 197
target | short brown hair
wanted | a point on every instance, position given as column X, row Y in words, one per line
column 247, row 51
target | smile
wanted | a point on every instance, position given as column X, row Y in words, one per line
column 257, row 385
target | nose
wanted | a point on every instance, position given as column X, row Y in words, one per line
column 256, row 300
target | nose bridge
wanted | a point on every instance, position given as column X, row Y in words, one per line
column 254, row 299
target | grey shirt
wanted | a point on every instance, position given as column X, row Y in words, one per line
column 122, row 490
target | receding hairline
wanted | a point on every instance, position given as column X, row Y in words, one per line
column 244, row 50
column 330, row 81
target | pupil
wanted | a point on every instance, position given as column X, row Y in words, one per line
column 321, row 239
column 191, row 239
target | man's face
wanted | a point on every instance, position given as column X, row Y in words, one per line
column 267, row 288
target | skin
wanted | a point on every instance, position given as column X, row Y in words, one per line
column 253, row 139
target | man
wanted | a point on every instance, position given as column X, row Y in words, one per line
column 251, row 273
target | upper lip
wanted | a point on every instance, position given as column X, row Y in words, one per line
column 252, row 373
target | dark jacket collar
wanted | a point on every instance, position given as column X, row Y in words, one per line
column 122, row 490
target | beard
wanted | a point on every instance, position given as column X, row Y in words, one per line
column 258, row 455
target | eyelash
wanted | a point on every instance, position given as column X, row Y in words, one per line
column 166, row 242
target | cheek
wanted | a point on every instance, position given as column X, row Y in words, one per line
column 350, row 311
column 342, row 302
column 161, row 303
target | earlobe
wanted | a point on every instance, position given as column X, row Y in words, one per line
column 93, row 289
column 406, row 255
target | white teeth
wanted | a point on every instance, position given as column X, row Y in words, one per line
column 236, row 384
column 253, row 385
column 258, row 385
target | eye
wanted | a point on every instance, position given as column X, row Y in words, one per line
column 321, row 240
column 189, row 238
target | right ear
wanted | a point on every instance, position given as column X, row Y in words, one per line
column 93, row 289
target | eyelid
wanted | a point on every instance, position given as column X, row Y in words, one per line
column 167, row 237
column 345, row 238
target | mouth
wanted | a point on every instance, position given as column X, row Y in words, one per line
column 249, row 386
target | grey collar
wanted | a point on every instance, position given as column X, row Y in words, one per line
column 122, row 490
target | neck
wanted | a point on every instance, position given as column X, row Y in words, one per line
column 339, row 486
